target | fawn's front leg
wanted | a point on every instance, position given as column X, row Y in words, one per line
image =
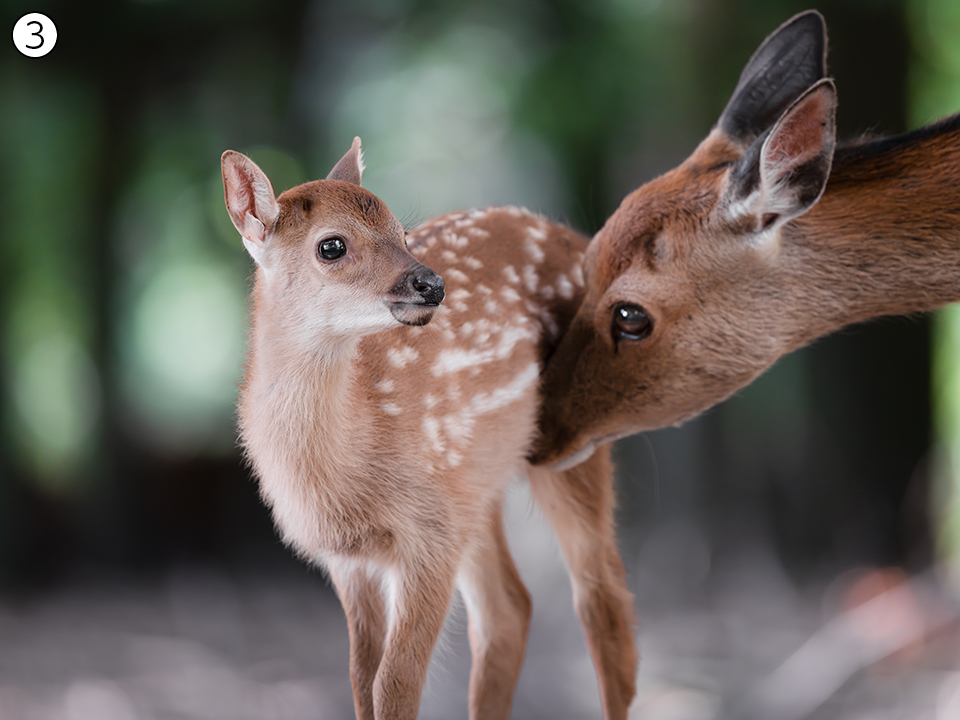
column 422, row 587
column 361, row 594
column 499, row 610
column 578, row 503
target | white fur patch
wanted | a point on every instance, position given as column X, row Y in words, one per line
column 471, row 263
column 530, row 278
column 576, row 272
column 534, row 251
column 510, row 273
column 431, row 429
column 384, row 386
column 452, row 361
column 391, row 408
column 401, row 357
column 455, row 275
column 455, row 241
column 510, row 295
column 565, row 287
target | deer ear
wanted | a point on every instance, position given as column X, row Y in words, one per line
column 350, row 167
column 784, row 172
column 790, row 60
column 250, row 201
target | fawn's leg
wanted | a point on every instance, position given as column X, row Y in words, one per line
column 578, row 503
column 422, row 587
column 499, row 608
column 361, row 593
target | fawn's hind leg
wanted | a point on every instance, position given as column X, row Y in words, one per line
column 361, row 592
column 578, row 503
column 499, row 608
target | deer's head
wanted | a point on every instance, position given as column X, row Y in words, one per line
column 681, row 306
column 330, row 254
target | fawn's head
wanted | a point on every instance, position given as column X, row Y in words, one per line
column 678, row 311
column 329, row 253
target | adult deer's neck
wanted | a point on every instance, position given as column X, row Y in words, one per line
column 885, row 237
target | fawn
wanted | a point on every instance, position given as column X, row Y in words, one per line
column 765, row 238
column 384, row 427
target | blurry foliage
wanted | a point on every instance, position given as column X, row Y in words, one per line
column 934, row 93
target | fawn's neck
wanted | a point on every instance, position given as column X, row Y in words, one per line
column 885, row 237
column 300, row 396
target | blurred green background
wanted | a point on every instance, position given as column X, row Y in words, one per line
column 122, row 282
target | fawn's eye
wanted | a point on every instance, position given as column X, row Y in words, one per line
column 630, row 322
column 332, row 248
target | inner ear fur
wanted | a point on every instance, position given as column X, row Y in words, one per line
column 791, row 59
column 785, row 170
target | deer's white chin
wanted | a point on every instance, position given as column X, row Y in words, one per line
column 412, row 313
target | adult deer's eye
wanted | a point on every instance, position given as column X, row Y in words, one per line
column 630, row 322
column 332, row 248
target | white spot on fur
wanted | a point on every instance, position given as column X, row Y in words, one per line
column 510, row 273
column 491, row 308
column 459, row 294
column 471, row 263
column 576, row 273
column 510, row 295
column 451, row 361
column 547, row 292
column 534, row 251
column 455, row 275
column 401, row 357
column 448, row 256
column 565, row 287
column 483, row 403
column 391, row 408
column 459, row 426
column 384, row 386
column 430, row 401
column 530, row 277
column 431, row 430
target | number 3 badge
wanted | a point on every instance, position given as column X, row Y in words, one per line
column 34, row 35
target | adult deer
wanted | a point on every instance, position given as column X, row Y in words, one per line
column 385, row 428
column 764, row 239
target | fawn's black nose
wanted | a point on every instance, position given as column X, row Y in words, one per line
column 427, row 284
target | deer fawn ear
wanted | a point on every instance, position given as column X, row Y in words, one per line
column 250, row 201
column 350, row 167
column 784, row 172
column 790, row 60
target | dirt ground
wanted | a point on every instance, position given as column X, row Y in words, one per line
column 717, row 642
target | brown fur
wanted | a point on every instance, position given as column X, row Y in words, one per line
column 384, row 450
column 726, row 301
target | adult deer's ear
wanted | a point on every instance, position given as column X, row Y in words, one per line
column 250, row 201
column 785, row 170
column 350, row 167
column 790, row 60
